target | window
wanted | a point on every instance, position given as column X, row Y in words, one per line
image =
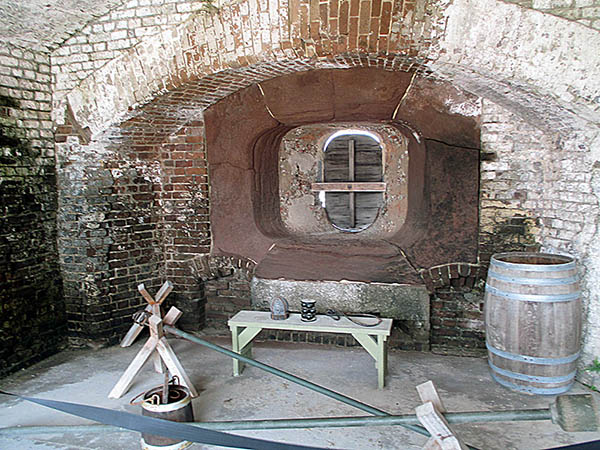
column 352, row 172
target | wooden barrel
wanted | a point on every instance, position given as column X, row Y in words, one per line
column 533, row 321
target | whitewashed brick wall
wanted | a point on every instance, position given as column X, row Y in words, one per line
column 553, row 183
column 25, row 78
column 541, row 175
column 120, row 29
column 585, row 12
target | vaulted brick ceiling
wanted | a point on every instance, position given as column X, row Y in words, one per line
column 45, row 24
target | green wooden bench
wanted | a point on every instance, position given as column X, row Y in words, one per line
column 245, row 325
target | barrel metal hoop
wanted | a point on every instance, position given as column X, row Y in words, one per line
column 531, row 389
column 534, row 378
column 533, row 281
column 547, row 298
column 532, row 359
column 534, row 267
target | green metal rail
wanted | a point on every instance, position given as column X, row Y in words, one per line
column 293, row 378
column 324, row 422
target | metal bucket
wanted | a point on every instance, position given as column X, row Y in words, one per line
column 178, row 409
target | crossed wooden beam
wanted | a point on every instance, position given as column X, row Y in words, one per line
column 430, row 414
column 164, row 355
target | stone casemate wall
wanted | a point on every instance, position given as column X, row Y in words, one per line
column 586, row 12
column 32, row 314
column 430, row 207
column 539, row 69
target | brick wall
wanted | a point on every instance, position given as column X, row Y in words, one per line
column 133, row 211
column 109, row 238
column 516, row 175
column 536, row 190
column 564, row 124
column 109, row 35
column 456, row 291
column 227, row 41
column 225, row 297
column 404, row 336
column 32, row 315
column 536, row 194
column 185, row 216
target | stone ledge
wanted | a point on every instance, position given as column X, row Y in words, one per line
column 397, row 301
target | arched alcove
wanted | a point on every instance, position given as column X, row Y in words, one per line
column 244, row 138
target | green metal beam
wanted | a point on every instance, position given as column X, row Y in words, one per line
column 294, row 379
column 322, row 422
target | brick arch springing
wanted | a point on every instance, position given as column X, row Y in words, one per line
column 168, row 112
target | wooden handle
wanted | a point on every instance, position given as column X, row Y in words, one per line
column 146, row 294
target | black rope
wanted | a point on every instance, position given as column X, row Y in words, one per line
column 353, row 318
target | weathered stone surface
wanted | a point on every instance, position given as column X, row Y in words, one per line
column 451, row 219
column 522, row 54
column 441, row 216
column 358, row 94
column 442, row 112
column 286, row 97
column 335, row 260
column 390, row 300
column 301, row 156
column 231, row 130
column 48, row 23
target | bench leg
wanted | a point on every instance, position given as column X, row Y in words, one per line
column 377, row 348
column 381, row 361
column 241, row 342
column 238, row 366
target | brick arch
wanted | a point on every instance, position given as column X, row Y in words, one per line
column 218, row 54
column 539, row 66
column 190, row 62
column 168, row 112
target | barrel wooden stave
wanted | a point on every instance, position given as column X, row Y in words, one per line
column 517, row 327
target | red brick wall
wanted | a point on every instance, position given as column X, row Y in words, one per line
column 185, row 209
column 226, row 296
column 457, row 317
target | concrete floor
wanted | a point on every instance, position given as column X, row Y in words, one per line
column 86, row 376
